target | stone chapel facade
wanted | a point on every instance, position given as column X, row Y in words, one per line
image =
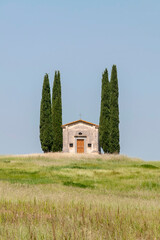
column 81, row 137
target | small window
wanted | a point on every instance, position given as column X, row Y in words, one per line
column 71, row 144
column 89, row 145
column 80, row 133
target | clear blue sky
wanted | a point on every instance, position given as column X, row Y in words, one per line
column 81, row 39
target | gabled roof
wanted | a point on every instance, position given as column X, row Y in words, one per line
column 82, row 121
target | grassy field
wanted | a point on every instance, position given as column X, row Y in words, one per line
column 62, row 196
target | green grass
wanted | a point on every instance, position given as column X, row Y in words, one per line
column 58, row 196
column 118, row 175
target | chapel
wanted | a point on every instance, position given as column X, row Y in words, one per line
column 81, row 137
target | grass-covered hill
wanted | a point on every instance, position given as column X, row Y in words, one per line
column 63, row 196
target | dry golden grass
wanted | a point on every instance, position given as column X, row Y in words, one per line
column 92, row 197
column 58, row 155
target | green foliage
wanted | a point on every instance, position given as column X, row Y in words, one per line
column 104, row 125
column 46, row 132
column 57, row 114
column 114, row 113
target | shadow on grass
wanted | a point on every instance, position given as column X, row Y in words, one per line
column 78, row 184
column 149, row 166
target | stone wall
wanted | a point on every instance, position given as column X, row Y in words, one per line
column 84, row 131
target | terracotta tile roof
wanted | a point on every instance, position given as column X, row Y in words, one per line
column 82, row 122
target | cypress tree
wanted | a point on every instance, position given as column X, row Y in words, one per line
column 57, row 114
column 104, row 125
column 46, row 132
column 114, row 113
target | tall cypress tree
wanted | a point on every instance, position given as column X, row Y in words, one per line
column 104, row 123
column 46, row 132
column 57, row 114
column 114, row 113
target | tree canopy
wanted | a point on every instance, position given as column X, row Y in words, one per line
column 46, row 127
